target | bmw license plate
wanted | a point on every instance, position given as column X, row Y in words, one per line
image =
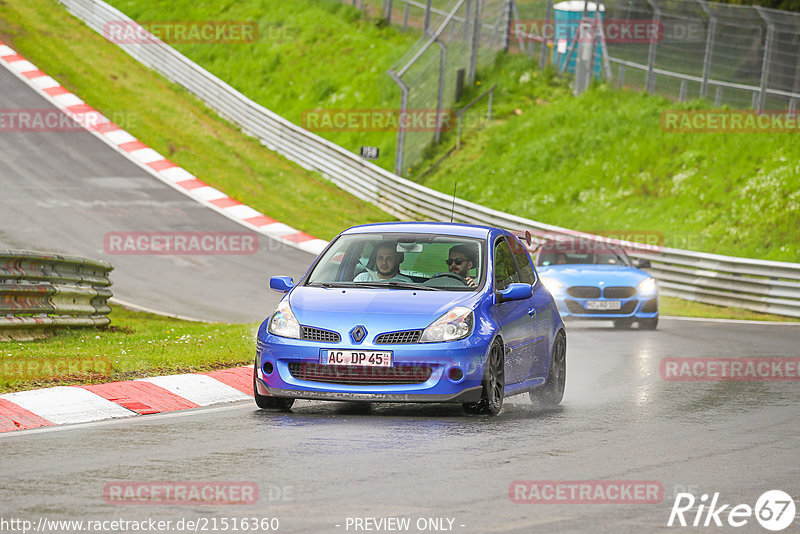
column 364, row 358
column 603, row 305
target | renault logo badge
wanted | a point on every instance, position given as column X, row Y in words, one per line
column 358, row 334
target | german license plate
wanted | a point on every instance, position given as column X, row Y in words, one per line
column 364, row 358
column 603, row 305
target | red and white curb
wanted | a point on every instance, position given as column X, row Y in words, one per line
column 150, row 160
column 83, row 404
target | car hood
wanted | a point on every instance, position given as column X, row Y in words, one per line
column 379, row 310
column 591, row 274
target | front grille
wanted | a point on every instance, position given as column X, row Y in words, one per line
column 619, row 292
column 390, row 338
column 577, row 309
column 584, row 292
column 318, row 334
column 359, row 375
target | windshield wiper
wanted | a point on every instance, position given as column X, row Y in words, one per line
column 395, row 284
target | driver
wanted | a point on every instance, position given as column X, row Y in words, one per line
column 387, row 263
column 461, row 259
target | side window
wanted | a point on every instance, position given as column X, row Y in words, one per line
column 520, row 253
column 505, row 272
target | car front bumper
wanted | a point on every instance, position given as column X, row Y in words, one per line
column 468, row 356
column 637, row 307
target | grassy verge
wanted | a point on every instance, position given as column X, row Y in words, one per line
column 176, row 124
column 686, row 308
column 601, row 162
column 135, row 345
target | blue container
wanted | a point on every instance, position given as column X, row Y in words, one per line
column 566, row 21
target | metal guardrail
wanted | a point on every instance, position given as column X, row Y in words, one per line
column 39, row 291
column 759, row 285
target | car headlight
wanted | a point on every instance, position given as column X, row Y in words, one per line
column 453, row 325
column 648, row 286
column 283, row 322
column 552, row 285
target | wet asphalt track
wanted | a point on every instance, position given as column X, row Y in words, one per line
column 63, row 191
column 619, row 419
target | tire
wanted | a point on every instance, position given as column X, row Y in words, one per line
column 648, row 324
column 493, row 384
column 552, row 392
column 623, row 324
column 266, row 402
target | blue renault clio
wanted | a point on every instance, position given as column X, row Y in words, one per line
column 414, row 312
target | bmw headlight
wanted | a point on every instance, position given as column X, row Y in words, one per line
column 552, row 285
column 283, row 322
column 647, row 286
column 453, row 325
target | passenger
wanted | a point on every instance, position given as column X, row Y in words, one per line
column 387, row 263
column 462, row 259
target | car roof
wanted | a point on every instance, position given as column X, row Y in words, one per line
column 456, row 229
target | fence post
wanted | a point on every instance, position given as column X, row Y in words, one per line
column 548, row 16
column 712, row 30
column 427, row 22
column 621, row 75
column 476, row 37
column 405, row 18
column 766, row 63
column 439, row 98
column 718, row 97
column 650, row 82
column 682, row 97
column 507, row 33
column 401, row 134
column 388, row 12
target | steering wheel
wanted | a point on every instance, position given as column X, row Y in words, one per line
column 449, row 275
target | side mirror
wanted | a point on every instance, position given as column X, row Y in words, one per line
column 281, row 284
column 515, row 292
column 641, row 263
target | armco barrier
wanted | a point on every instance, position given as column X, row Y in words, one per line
column 765, row 286
column 39, row 291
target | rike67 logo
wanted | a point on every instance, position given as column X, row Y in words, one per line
column 774, row 511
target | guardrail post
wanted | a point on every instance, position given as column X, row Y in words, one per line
column 711, row 32
column 650, row 82
column 766, row 63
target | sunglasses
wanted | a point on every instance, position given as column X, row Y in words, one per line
column 457, row 261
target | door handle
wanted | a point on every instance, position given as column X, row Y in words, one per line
column 532, row 313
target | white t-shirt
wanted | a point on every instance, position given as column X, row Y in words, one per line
column 372, row 276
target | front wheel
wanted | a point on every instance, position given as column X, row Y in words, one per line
column 552, row 392
column 648, row 324
column 266, row 402
column 494, row 384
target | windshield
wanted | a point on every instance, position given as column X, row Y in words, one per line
column 402, row 261
column 558, row 255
